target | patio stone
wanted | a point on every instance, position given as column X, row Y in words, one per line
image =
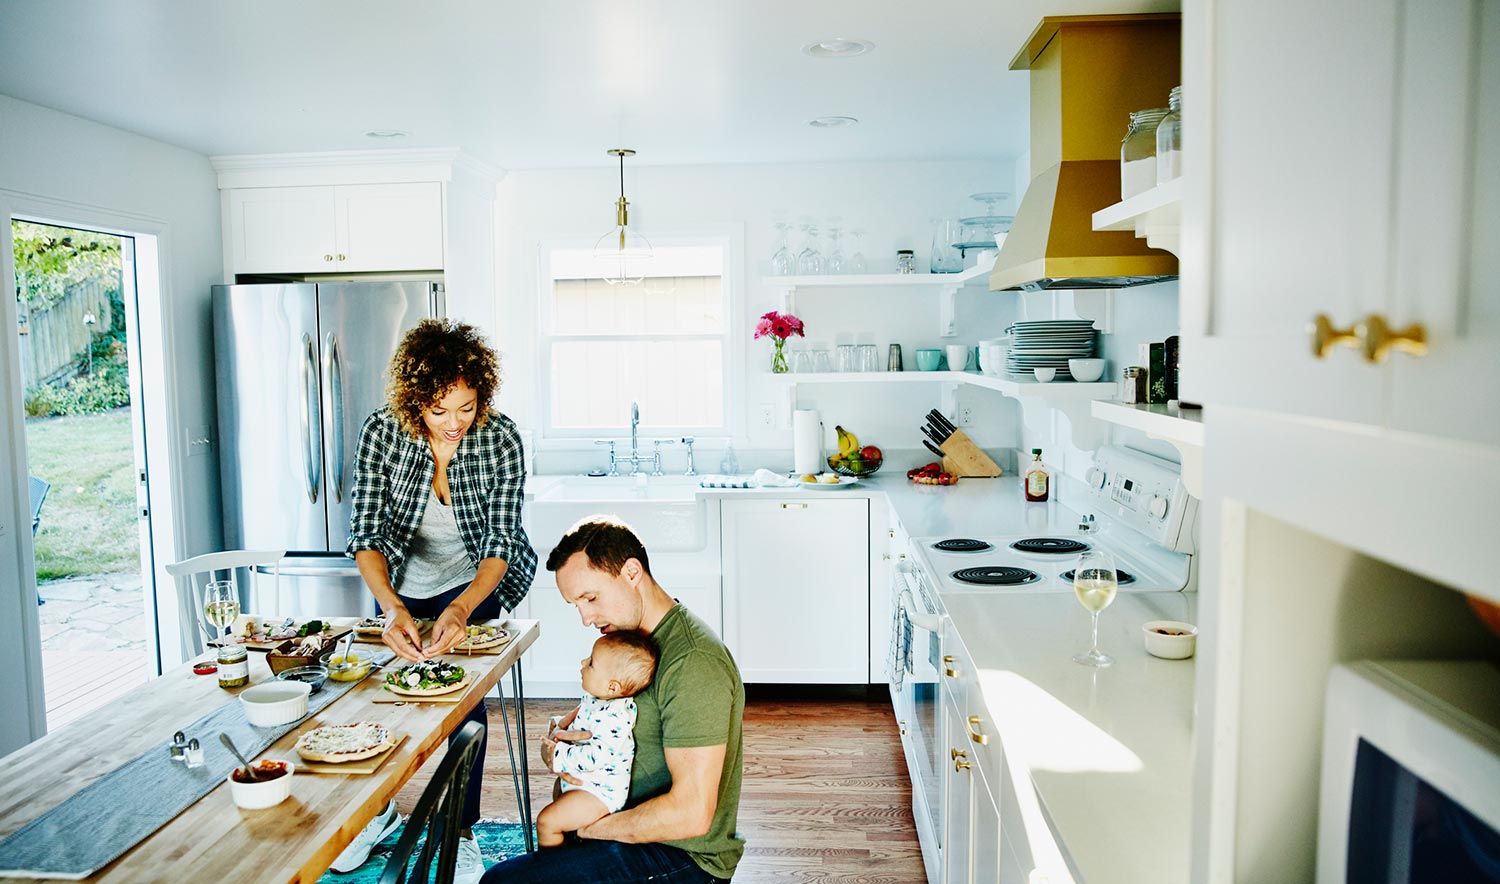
column 74, row 590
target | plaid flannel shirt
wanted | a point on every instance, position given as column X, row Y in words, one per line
column 487, row 478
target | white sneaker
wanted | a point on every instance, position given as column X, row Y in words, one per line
column 469, row 867
column 359, row 849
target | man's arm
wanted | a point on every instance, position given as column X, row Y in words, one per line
column 686, row 810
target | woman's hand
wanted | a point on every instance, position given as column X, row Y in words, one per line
column 452, row 627
column 402, row 636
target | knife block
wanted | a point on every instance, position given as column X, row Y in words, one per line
column 962, row 458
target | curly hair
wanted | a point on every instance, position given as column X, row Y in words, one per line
column 430, row 361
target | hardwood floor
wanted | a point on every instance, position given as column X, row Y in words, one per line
column 825, row 797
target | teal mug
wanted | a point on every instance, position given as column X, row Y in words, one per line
column 929, row 360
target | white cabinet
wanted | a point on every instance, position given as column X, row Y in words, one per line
column 973, row 848
column 1362, row 184
column 797, row 589
column 958, row 798
column 346, row 228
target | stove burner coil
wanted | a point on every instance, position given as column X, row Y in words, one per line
column 993, row 576
column 962, row 545
column 1051, row 545
column 1122, row 578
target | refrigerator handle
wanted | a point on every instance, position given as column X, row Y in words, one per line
column 333, row 369
column 312, row 461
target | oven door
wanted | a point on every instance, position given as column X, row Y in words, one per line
column 918, row 629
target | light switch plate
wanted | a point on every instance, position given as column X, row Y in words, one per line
column 199, row 440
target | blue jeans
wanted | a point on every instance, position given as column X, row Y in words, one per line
column 429, row 609
column 601, row 862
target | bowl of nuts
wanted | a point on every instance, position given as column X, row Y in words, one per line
column 1170, row 639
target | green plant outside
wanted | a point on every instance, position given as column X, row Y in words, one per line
column 89, row 518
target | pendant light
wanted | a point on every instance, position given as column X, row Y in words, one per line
column 622, row 249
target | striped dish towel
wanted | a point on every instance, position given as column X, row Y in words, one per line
column 720, row 481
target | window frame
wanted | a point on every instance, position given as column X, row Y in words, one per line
column 730, row 238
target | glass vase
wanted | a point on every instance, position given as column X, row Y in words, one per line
column 778, row 357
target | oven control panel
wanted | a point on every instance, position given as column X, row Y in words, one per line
column 1144, row 492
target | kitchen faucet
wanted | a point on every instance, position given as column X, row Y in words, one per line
column 635, row 458
column 635, row 423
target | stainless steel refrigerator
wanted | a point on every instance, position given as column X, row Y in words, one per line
column 299, row 368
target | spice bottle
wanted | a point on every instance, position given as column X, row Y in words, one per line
column 1037, row 478
column 1133, row 386
column 234, row 666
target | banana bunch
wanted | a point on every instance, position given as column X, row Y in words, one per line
column 853, row 457
column 848, row 442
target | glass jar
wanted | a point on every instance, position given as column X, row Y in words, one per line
column 1133, row 386
column 906, row 261
column 1169, row 140
column 1138, row 152
column 234, row 666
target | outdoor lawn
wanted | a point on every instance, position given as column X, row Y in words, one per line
column 89, row 518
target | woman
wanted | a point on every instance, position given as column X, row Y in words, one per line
column 435, row 527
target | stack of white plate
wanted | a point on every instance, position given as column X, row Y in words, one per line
column 1048, row 343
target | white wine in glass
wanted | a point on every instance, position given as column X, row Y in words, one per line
column 221, row 605
column 1095, row 582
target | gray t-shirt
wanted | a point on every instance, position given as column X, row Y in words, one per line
column 437, row 560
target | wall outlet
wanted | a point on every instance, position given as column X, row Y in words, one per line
column 767, row 415
column 965, row 417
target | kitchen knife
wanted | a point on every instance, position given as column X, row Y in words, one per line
column 934, row 449
column 934, row 435
column 942, row 422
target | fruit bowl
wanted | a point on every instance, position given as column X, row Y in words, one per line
column 866, row 467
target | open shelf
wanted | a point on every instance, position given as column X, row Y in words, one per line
column 1054, row 390
column 947, row 284
column 1155, row 215
column 1182, row 429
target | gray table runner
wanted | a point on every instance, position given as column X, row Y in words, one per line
column 119, row 810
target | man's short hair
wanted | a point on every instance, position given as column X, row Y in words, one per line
column 637, row 655
column 605, row 541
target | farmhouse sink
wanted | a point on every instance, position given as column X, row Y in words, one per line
column 664, row 510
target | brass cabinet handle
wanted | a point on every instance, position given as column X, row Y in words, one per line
column 981, row 739
column 794, row 506
column 341, row 256
column 958, row 757
column 951, row 672
column 327, row 257
column 1326, row 337
column 902, row 725
column 1378, row 338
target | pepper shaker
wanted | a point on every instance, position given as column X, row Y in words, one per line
column 177, row 749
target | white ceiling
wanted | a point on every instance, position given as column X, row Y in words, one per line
column 540, row 84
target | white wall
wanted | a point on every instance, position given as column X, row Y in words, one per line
column 67, row 161
column 893, row 201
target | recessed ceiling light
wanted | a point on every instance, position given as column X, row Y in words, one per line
column 832, row 122
column 838, row 47
column 385, row 133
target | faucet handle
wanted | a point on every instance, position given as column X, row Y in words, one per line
column 613, row 467
column 687, row 440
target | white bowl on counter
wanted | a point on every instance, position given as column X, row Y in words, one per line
column 264, row 793
column 274, row 703
column 1170, row 639
column 1086, row 371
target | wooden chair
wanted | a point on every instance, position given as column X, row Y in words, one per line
column 208, row 567
column 440, row 812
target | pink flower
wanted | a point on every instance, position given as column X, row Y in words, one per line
column 779, row 326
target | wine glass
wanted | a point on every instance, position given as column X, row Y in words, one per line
column 809, row 260
column 783, row 262
column 221, row 605
column 1095, row 582
column 856, row 262
column 836, row 262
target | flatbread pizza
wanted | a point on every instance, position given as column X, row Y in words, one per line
column 482, row 636
column 370, row 627
column 430, row 678
column 344, row 742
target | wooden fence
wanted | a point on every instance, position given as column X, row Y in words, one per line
column 53, row 338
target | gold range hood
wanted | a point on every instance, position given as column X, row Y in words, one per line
column 1088, row 72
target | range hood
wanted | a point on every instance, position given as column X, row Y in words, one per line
column 1088, row 72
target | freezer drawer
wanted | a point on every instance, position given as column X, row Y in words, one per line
column 311, row 586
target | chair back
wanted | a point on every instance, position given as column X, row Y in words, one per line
column 39, row 489
column 192, row 575
column 440, row 812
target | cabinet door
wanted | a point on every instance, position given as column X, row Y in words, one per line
column 1300, row 158
column 282, row 229
column 389, row 226
column 797, row 589
column 984, row 831
column 1448, row 220
column 957, row 800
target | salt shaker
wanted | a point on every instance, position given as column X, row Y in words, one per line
column 177, row 749
column 194, row 753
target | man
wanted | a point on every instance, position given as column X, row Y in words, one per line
column 678, row 824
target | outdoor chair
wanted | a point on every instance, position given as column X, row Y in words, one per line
column 440, row 812
column 192, row 575
column 39, row 489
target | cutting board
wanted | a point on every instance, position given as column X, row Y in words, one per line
column 363, row 766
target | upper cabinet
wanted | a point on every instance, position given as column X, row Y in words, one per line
column 1346, row 198
column 346, row 228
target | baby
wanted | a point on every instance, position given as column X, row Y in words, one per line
column 620, row 666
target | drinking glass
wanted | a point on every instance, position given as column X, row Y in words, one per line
column 783, row 262
column 857, row 260
column 848, row 358
column 869, row 357
column 221, row 605
column 821, row 363
column 1095, row 582
column 809, row 260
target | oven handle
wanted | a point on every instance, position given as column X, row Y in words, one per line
column 919, row 618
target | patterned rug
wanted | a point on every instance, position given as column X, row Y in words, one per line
column 498, row 840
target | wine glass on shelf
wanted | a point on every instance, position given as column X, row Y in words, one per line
column 836, row 262
column 221, row 606
column 1095, row 582
column 783, row 262
column 809, row 260
column 856, row 262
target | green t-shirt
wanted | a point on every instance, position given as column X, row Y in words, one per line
column 696, row 699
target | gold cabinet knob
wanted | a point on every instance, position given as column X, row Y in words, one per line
column 959, row 759
column 1325, row 336
column 341, row 256
column 327, row 257
column 902, row 725
column 949, row 670
column 976, row 736
column 1377, row 338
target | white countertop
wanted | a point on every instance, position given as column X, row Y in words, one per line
column 1108, row 751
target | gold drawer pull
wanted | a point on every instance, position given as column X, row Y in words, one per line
column 981, row 739
column 949, row 670
column 959, row 759
column 1326, row 337
column 1379, row 338
column 794, row 506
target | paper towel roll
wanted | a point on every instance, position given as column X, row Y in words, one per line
column 807, row 441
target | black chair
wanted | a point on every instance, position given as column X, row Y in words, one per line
column 39, row 489
column 440, row 811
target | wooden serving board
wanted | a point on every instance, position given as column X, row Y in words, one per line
column 424, row 628
column 383, row 695
column 363, row 766
column 330, row 633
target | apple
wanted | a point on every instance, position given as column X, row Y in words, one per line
column 870, row 452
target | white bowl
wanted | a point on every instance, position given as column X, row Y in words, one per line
column 268, row 793
column 1045, row 375
column 274, row 703
column 1086, row 370
column 1170, row 647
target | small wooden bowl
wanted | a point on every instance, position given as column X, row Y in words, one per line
column 280, row 659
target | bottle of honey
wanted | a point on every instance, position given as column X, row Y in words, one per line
column 1037, row 479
